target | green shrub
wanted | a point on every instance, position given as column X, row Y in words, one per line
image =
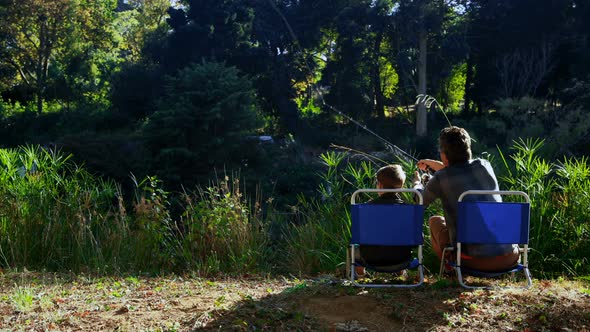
column 219, row 232
column 56, row 215
column 560, row 201
column 151, row 233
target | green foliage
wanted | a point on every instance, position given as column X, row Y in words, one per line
column 454, row 87
column 319, row 243
column 560, row 199
column 559, row 211
column 389, row 77
column 152, row 226
column 562, row 128
column 54, row 214
column 220, row 232
column 22, row 298
column 202, row 121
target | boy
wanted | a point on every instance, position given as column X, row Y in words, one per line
column 385, row 257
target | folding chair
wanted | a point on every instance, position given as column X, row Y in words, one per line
column 387, row 225
column 485, row 222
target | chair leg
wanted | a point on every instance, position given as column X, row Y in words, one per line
column 442, row 260
column 347, row 273
column 529, row 280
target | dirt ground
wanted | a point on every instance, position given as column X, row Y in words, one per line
column 50, row 302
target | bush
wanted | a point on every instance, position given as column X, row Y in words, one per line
column 56, row 215
column 560, row 201
column 219, row 232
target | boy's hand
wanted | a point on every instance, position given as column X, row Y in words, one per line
column 417, row 180
column 420, row 179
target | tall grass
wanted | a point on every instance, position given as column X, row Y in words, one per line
column 55, row 215
column 560, row 207
column 319, row 242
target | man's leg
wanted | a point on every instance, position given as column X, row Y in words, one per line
column 439, row 234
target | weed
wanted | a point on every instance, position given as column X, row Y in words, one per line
column 22, row 298
column 560, row 196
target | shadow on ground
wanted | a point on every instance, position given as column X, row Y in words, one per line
column 331, row 305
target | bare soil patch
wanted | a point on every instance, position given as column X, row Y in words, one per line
column 56, row 302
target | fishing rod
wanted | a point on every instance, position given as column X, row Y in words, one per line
column 392, row 147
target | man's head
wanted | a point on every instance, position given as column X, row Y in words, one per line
column 455, row 144
column 390, row 177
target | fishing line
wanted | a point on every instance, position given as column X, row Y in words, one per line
column 392, row 147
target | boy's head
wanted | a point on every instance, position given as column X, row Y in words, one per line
column 455, row 143
column 390, row 177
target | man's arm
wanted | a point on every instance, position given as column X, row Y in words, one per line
column 425, row 164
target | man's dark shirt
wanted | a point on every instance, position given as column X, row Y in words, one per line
column 385, row 255
column 449, row 183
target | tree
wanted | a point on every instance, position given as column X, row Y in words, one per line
column 37, row 35
column 140, row 22
column 31, row 31
column 521, row 48
column 202, row 120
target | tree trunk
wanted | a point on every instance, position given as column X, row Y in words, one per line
column 421, row 125
column 468, row 82
column 40, row 63
column 377, row 90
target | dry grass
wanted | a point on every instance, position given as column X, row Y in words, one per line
column 51, row 302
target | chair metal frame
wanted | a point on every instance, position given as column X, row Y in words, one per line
column 350, row 259
column 523, row 250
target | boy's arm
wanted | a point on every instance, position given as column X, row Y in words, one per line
column 428, row 193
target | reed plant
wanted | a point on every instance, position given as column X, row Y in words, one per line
column 560, row 206
column 56, row 215
column 151, row 227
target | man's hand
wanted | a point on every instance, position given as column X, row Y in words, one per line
column 426, row 164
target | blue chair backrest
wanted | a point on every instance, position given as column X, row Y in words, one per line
column 387, row 224
column 493, row 223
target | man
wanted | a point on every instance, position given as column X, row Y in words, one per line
column 455, row 174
